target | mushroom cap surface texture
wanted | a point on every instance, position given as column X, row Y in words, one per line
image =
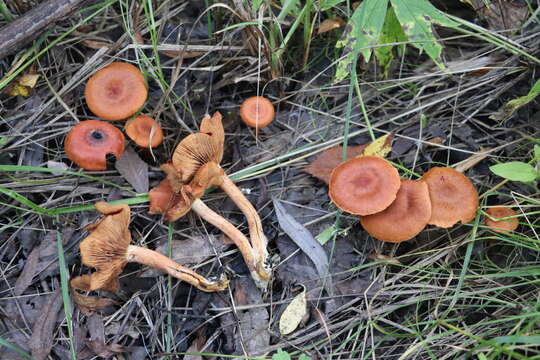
column 405, row 218
column 507, row 225
column 116, row 91
column 257, row 112
column 138, row 129
column 453, row 197
column 365, row 185
column 88, row 143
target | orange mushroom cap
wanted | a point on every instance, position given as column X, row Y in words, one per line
column 88, row 143
column 405, row 218
column 507, row 225
column 140, row 128
column 257, row 111
column 365, row 185
column 453, row 197
column 116, row 92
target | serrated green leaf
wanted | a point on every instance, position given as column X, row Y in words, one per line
column 391, row 33
column 515, row 171
column 417, row 19
column 361, row 34
column 508, row 109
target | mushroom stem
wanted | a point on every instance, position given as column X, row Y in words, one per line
column 161, row 262
column 239, row 239
column 258, row 239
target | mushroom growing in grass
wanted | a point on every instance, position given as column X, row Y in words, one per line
column 365, row 185
column 195, row 168
column 500, row 224
column 144, row 131
column 453, row 197
column 116, row 91
column 88, row 143
column 405, row 218
column 257, row 112
column 108, row 249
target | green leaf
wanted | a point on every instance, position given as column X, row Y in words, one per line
column 304, row 357
column 417, row 19
column 515, row 171
column 288, row 6
column 536, row 152
column 326, row 234
column 328, row 4
column 361, row 34
column 281, row 355
column 508, row 109
column 391, row 33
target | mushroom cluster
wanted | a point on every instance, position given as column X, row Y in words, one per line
column 194, row 169
column 116, row 92
column 395, row 210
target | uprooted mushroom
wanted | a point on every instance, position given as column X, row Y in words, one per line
column 108, row 249
column 195, row 168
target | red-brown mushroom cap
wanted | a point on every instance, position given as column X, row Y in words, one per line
column 116, row 92
column 88, row 143
column 257, row 111
column 405, row 218
column 453, row 197
column 140, row 128
column 365, row 185
column 507, row 225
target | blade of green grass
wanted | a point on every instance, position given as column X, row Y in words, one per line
column 15, row 348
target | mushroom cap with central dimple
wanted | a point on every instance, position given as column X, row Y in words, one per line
column 116, row 92
column 140, row 128
column 365, row 185
column 453, row 197
column 405, row 218
column 257, row 112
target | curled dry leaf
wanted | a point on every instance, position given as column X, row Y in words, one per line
column 87, row 304
column 293, row 314
column 23, row 85
column 330, row 24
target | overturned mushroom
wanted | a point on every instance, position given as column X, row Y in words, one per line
column 108, row 249
column 195, row 168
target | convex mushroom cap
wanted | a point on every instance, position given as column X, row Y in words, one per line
column 365, row 185
column 405, row 218
column 507, row 225
column 88, row 143
column 116, row 92
column 140, row 128
column 453, row 197
column 257, row 111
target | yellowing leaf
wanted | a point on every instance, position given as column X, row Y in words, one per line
column 23, row 85
column 330, row 24
column 380, row 147
column 293, row 314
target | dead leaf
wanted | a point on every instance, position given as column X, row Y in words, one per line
column 306, row 242
column 41, row 341
column 97, row 334
column 500, row 15
column 472, row 160
column 57, row 165
column 22, row 85
column 196, row 347
column 435, row 141
column 30, row 269
column 380, row 147
column 330, row 24
column 385, row 258
column 325, row 162
column 90, row 304
column 293, row 314
column 96, row 44
column 134, row 170
column 181, row 53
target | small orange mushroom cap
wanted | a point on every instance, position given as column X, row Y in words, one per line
column 257, row 111
column 140, row 128
column 116, row 92
column 405, row 218
column 88, row 143
column 365, row 185
column 453, row 197
column 507, row 225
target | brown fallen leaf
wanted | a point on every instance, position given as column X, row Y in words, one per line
column 181, row 53
column 87, row 304
column 435, row 141
column 133, row 169
column 472, row 160
column 41, row 341
column 97, row 334
column 330, row 24
column 500, row 15
column 96, row 45
column 325, row 162
column 29, row 271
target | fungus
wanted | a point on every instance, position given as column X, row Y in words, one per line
column 116, row 91
column 108, row 250
column 257, row 112
column 365, row 185
column 405, row 218
column 453, row 197
column 143, row 128
column 88, row 143
column 195, row 168
column 501, row 225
